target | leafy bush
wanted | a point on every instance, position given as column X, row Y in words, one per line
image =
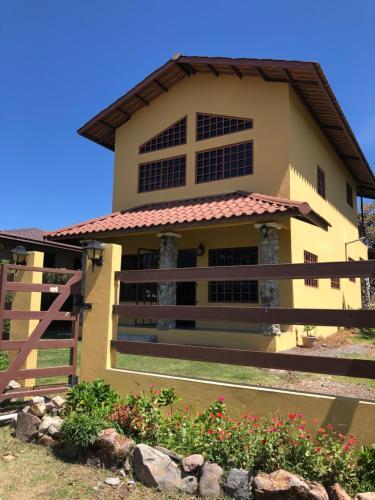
column 366, row 466
column 91, row 398
column 4, row 361
column 367, row 333
column 82, row 429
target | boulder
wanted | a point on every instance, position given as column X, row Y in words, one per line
column 27, row 427
column 13, row 385
column 337, row 492
column 53, row 430
column 112, row 448
column 46, row 422
column 38, row 399
column 46, row 440
column 112, row 481
column 174, row 456
column 209, row 484
column 49, row 406
column 157, row 470
column 370, row 495
column 285, row 485
column 238, row 484
column 192, row 463
column 38, row 409
column 58, row 401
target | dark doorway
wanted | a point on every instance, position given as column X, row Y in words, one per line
column 186, row 291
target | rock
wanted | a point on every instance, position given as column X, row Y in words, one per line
column 112, row 481
column 9, row 457
column 13, row 385
column 49, row 406
column 58, row 401
column 238, row 484
column 192, row 463
column 38, row 409
column 38, row 399
column 46, row 422
column 46, row 440
column 113, row 448
column 336, row 492
column 26, row 409
column 365, row 496
column 282, row 484
column 157, row 470
column 174, row 456
column 209, row 484
column 53, row 431
column 13, row 422
column 27, row 427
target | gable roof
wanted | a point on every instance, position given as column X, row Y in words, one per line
column 216, row 208
column 306, row 78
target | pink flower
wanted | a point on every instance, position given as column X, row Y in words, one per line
column 221, row 399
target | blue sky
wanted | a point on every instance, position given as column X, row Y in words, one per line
column 62, row 62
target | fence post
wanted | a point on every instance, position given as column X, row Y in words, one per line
column 99, row 322
column 27, row 301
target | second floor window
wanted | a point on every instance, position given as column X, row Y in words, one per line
column 162, row 174
column 349, row 195
column 215, row 125
column 223, row 163
column 310, row 258
column 171, row 136
column 321, row 182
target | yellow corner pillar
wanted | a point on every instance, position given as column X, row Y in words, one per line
column 99, row 323
column 27, row 301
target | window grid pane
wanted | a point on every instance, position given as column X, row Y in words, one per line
column 139, row 292
column 225, row 162
column 321, row 182
column 174, row 135
column 215, row 125
column 310, row 258
column 233, row 291
column 162, row 174
column 335, row 283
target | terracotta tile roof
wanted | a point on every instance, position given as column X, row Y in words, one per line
column 193, row 210
column 32, row 233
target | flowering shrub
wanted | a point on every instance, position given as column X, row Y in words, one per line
column 251, row 442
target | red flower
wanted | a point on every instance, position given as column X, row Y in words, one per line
column 219, row 414
column 221, row 399
column 210, row 431
column 212, row 416
column 255, row 418
column 292, row 416
column 317, row 449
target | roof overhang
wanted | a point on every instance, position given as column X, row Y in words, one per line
column 40, row 243
column 306, row 78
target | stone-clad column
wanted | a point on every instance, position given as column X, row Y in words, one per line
column 167, row 291
column 269, row 254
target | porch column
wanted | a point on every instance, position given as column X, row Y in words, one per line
column 167, row 291
column 269, row 254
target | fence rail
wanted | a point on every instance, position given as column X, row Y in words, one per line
column 292, row 362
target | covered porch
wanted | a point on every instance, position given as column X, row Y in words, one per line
column 232, row 229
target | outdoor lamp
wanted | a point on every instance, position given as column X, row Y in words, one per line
column 94, row 251
column 19, row 255
column 201, row 249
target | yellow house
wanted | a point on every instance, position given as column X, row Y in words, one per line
column 223, row 161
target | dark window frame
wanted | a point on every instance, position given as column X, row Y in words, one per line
column 169, row 143
column 321, row 181
column 335, row 283
column 240, row 292
column 310, row 258
column 349, row 195
column 203, row 159
column 209, row 130
column 160, row 164
column 137, row 292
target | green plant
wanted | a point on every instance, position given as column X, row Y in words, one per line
column 367, row 333
column 82, row 429
column 308, row 329
column 366, row 465
column 91, row 398
column 4, row 361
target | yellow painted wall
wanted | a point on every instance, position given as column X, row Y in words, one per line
column 266, row 103
column 309, row 148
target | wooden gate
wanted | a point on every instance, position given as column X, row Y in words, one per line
column 45, row 380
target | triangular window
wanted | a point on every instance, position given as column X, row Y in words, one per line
column 214, row 125
column 174, row 135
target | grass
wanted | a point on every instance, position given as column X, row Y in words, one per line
column 36, row 473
